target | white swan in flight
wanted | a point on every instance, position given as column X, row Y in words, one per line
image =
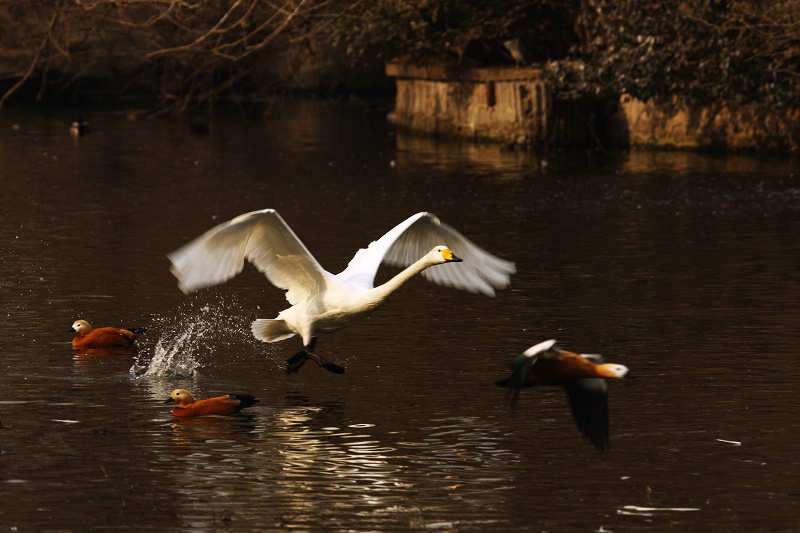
column 321, row 302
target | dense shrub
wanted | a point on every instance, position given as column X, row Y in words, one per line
column 453, row 31
column 701, row 50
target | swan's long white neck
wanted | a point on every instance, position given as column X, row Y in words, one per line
column 381, row 292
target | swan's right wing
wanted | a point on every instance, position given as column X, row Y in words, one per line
column 261, row 237
column 407, row 242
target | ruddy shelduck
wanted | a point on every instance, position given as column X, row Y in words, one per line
column 221, row 405
column 88, row 337
column 582, row 375
column 79, row 128
column 321, row 302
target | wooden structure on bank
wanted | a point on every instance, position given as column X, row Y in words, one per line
column 515, row 106
column 509, row 105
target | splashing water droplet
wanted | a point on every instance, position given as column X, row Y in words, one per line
column 197, row 330
column 172, row 356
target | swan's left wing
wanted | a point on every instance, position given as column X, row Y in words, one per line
column 261, row 237
column 407, row 242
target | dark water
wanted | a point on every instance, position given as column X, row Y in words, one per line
column 681, row 266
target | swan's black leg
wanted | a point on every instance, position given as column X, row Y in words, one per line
column 295, row 362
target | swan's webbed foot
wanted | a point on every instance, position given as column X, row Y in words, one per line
column 295, row 362
column 332, row 367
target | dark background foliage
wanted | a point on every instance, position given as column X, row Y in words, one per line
column 192, row 54
column 703, row 50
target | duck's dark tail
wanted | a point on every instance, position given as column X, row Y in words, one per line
column 245, row 401
column 138, row 331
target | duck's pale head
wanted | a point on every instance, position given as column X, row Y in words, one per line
column 182, row 397
column 80, row 326
column 616, row 371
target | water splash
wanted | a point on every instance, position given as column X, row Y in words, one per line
column 196, row 331
column 173, row 356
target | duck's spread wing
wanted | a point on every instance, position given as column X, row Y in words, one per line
column 521, row 367
column 407, row 242
column 518, row 379
column 261, row 237
column 588, row 400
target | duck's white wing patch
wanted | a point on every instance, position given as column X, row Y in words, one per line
column 407, row 242
column 261, row 237
column 539, row 348
column 595, row 358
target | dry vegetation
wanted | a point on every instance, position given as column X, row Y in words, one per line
column 189, row 52
column 194, row 52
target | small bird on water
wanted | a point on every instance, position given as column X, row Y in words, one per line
column 89, row 337
column 583, row 376
column 79, row 128
column 221, row 405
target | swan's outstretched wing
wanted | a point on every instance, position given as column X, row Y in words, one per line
column 261, row 237
column 410, row 240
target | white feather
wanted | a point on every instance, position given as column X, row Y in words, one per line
column 323, row 302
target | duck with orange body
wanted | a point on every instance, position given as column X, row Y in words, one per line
column 221, row 405
column 583, row 376
column 89, row 337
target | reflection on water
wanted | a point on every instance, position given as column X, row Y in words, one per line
column 491, row 162
column 681, row 266
column 344, row 475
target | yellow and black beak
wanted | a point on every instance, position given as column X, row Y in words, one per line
column 450, row 257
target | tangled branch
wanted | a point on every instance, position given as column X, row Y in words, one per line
column 193, row 51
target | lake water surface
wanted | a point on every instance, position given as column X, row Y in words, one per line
column 683, row 267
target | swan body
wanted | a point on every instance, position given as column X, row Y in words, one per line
column 321, row 302
column 583, row 376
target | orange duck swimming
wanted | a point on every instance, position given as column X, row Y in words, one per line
column 221, row 405
column 582, row 375
column 89, row 337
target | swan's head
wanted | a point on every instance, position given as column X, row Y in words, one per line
column 615, row 371
column 182, row 397
column 80, row 326
column 443, row 254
